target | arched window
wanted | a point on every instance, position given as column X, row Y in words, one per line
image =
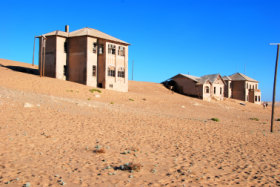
column 206, row 89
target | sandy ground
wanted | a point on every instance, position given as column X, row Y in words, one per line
column 56, row 133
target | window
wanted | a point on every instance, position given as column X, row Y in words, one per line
column 259, row 98
column 111, row 71
column 94, row 47
column 121, row 74
column 65, row 70
column 207, row 89
column 221, row 91
column 214, row 90
column 253, row 87
column 250, row 86
column 111, row 85
column 111, row 49
column 65, row 47
column 121, row 51
column 256, row 98
column 94, row 70
column 247, row 86
column 100, row 49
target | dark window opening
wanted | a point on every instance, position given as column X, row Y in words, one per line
column 256, row 98
column 207, row 89
column 65, row 70
column 214, row 90
column 99, row 85
column 111, row 72
column 121, row 74
column 94, row 47
column 94, row 70
column 221, row 91
column 111, row 49
column 65, row 47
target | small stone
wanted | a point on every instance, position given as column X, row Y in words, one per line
column 27, row 105
column 153, row 170
column 130, row 176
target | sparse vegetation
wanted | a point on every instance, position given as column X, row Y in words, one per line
column 111, row 102
column 278, row 119
column 69, row 90
column 129, row 167
column 95, row 90
column 131, row 99
column 89, row 99
column 255, row 119
column 99, row 151
column 144, row 99
column 215, row 119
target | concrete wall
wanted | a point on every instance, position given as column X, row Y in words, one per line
column 91, row 61
column 61, row 58
column 50, row 58
column 118, row 62
column 77, row 62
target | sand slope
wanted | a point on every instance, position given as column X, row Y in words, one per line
column 51, row 132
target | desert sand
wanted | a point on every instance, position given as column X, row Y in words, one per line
column 56, row 132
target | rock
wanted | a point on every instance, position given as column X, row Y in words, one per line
column 27, row 105
column 97, row 96
column 27, row 184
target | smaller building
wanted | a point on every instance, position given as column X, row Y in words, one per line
column 241, row 87
column 206, row 87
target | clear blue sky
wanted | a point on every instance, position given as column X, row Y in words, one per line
column 168, row 37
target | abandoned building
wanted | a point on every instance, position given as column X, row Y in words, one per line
column 241, row 87
column 86, row 56
column 206, row 87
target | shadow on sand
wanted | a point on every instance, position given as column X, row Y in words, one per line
column 22, row 69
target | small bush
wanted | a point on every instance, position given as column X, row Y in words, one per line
column 131, row 99
column 111, row 102
column 278, row 119
column 95, row 90
column 144, row 99
column 99, row 151
column 215, row 119
column 129, row 167
column 255, row 119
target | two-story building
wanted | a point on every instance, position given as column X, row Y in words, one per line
column 85, row 56
column 241, row 87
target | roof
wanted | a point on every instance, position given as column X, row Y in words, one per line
column 226, row 78
column 241, row 77
column 210, row 78
column 86, row 32
column 201, row 80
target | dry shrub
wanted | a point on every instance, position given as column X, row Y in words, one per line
column 99, row 151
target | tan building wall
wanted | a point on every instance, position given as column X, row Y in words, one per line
column 61, row 57
column 101, row 65
column 187, row 86
column 118, row 63
column 206, row 96
column 77, row 62
column 218, row 89
column 227, row 89
column 91, row 61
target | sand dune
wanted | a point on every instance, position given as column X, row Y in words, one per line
column 57, row 132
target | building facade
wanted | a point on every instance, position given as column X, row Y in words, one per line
column 85, row 56
column 206, row 87
column 241, row 87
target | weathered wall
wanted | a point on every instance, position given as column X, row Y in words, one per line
column 50, row 58
column 238, row 90
column 77, row 62
column 61, row 57
column 91, row 61
column 227, row 89
column 118, row 62
column 206, row 96
column 187, row 86
column 219, row 85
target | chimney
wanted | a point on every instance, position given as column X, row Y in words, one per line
column 66, row 28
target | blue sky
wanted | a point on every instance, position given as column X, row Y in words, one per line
column 168, row 37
